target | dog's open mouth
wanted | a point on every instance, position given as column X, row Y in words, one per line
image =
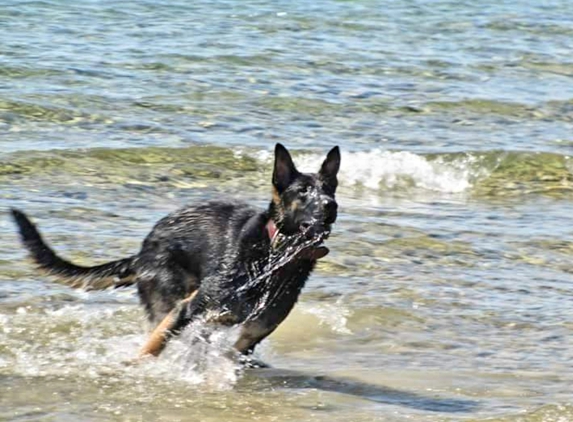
column 301, row 246
column 313, row 248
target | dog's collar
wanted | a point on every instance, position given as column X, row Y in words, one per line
column 272, row 230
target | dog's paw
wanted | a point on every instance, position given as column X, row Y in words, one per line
column 251, row 363
column 138, row 360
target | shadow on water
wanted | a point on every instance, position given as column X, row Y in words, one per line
column 282, row 378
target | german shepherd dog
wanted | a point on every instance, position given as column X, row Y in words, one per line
column 221, row 261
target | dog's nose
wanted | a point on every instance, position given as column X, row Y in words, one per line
column 330, row 208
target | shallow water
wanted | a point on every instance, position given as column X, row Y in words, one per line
column 447, row 294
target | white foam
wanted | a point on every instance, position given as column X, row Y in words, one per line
column 335, row 316
column 378, row 168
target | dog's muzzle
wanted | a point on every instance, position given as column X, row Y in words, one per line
column 323, row 217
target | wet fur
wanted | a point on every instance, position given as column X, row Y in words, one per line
column 210, row 253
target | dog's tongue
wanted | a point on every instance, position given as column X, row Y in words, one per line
column 272, row 229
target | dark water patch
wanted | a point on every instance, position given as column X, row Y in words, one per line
column 528, row 173
column 307, row 106
column 481, row 106
column 140, row 166
column 13, row 72
column 533, row 26
column 14, row 111
column 564, row 69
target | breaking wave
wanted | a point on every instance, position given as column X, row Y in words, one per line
column 479, row 172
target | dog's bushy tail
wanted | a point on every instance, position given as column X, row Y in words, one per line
column 116, row 273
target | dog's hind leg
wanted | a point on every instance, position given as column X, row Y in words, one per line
column 161, row 285
column 166, row 328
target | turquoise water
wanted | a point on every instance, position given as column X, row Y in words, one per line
column 447, row 294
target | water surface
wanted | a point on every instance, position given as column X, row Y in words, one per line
column 447, row 295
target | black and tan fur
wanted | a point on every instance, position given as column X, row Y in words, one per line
column 222, row 260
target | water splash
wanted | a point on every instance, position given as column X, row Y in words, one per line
column 86, row 341
column 283, row 250
column 201, row 355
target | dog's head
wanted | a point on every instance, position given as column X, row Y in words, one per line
column 304, row 203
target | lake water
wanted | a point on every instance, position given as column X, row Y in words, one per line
column 448, row 292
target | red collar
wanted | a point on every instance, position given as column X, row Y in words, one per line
column 272, row 230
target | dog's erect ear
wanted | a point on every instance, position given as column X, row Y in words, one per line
column 330, row 167
column 284, row 171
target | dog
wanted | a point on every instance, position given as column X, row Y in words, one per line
column 222, row 261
